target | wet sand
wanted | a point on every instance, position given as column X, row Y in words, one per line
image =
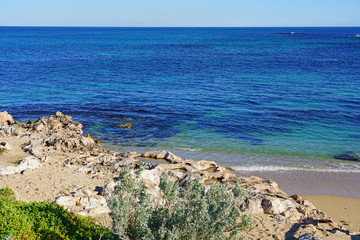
column 314, row 183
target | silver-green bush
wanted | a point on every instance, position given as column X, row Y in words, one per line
column 184, row 213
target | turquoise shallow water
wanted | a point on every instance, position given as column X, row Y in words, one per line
column 250, row 97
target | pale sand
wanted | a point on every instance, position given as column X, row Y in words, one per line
column 49, row 181
column 9, row 158
column 344, row 210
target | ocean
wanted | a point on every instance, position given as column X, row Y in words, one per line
column 254, row 99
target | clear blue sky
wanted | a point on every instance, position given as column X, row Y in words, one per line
column 242, row 13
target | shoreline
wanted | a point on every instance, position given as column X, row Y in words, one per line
column 346, row 184
column 313, row 183
column 76, row 167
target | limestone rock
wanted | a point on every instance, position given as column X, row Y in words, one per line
column 25, row 164
column 84, row 202
column 108, row 189
column 272, row 205
column 202, row 165
column 5, row 145
column 8, row 130
column 166, row 155
column 150, row 178
column 5, row 117
column 34, row 148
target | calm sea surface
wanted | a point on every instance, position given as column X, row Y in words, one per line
column 251, row 98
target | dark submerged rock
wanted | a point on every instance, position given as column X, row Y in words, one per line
column 349, row 155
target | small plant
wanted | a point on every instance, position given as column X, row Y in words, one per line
column 2, row 150
column 40, row 220
column 191, row 213
column 6, row 192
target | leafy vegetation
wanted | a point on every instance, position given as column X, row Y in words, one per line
column 191, row 213
column 40, row 220
column 6, row 192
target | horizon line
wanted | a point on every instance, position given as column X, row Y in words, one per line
column 89, row 26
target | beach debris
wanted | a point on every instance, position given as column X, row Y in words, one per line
column 348, row 155
column 5, row 117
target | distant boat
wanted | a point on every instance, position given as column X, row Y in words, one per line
column 357, row 35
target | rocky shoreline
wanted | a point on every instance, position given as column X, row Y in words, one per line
column 62, row 164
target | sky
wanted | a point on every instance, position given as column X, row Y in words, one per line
column 180, row 13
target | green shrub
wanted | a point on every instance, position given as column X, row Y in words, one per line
column 191, row 213
column 6, row 192
column 40, row 220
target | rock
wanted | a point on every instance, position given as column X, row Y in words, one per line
column 5, row 117
column 150, row 178
column 296, row 197
column 34, row 148
column 108, row 189
column 349, row 155
column 25, row 164
column 202, row 165
column 307, row 236
column 125, row 125
column 5, row 145
column 168, row 156
column 84, row 202
column 274, row 205
column 7, row 130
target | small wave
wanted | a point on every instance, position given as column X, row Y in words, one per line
column 259, row 168
column 189, row 149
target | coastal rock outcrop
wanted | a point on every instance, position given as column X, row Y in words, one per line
column 5, row 117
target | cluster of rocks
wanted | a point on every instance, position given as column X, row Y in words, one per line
column 60, row 133
column 25, row 164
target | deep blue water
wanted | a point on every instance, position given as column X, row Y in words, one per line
column 221, row 90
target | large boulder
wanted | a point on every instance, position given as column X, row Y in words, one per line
column 349, row 155
column 5, row 117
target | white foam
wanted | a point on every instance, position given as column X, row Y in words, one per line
column 263, row 168
column 189, row 149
